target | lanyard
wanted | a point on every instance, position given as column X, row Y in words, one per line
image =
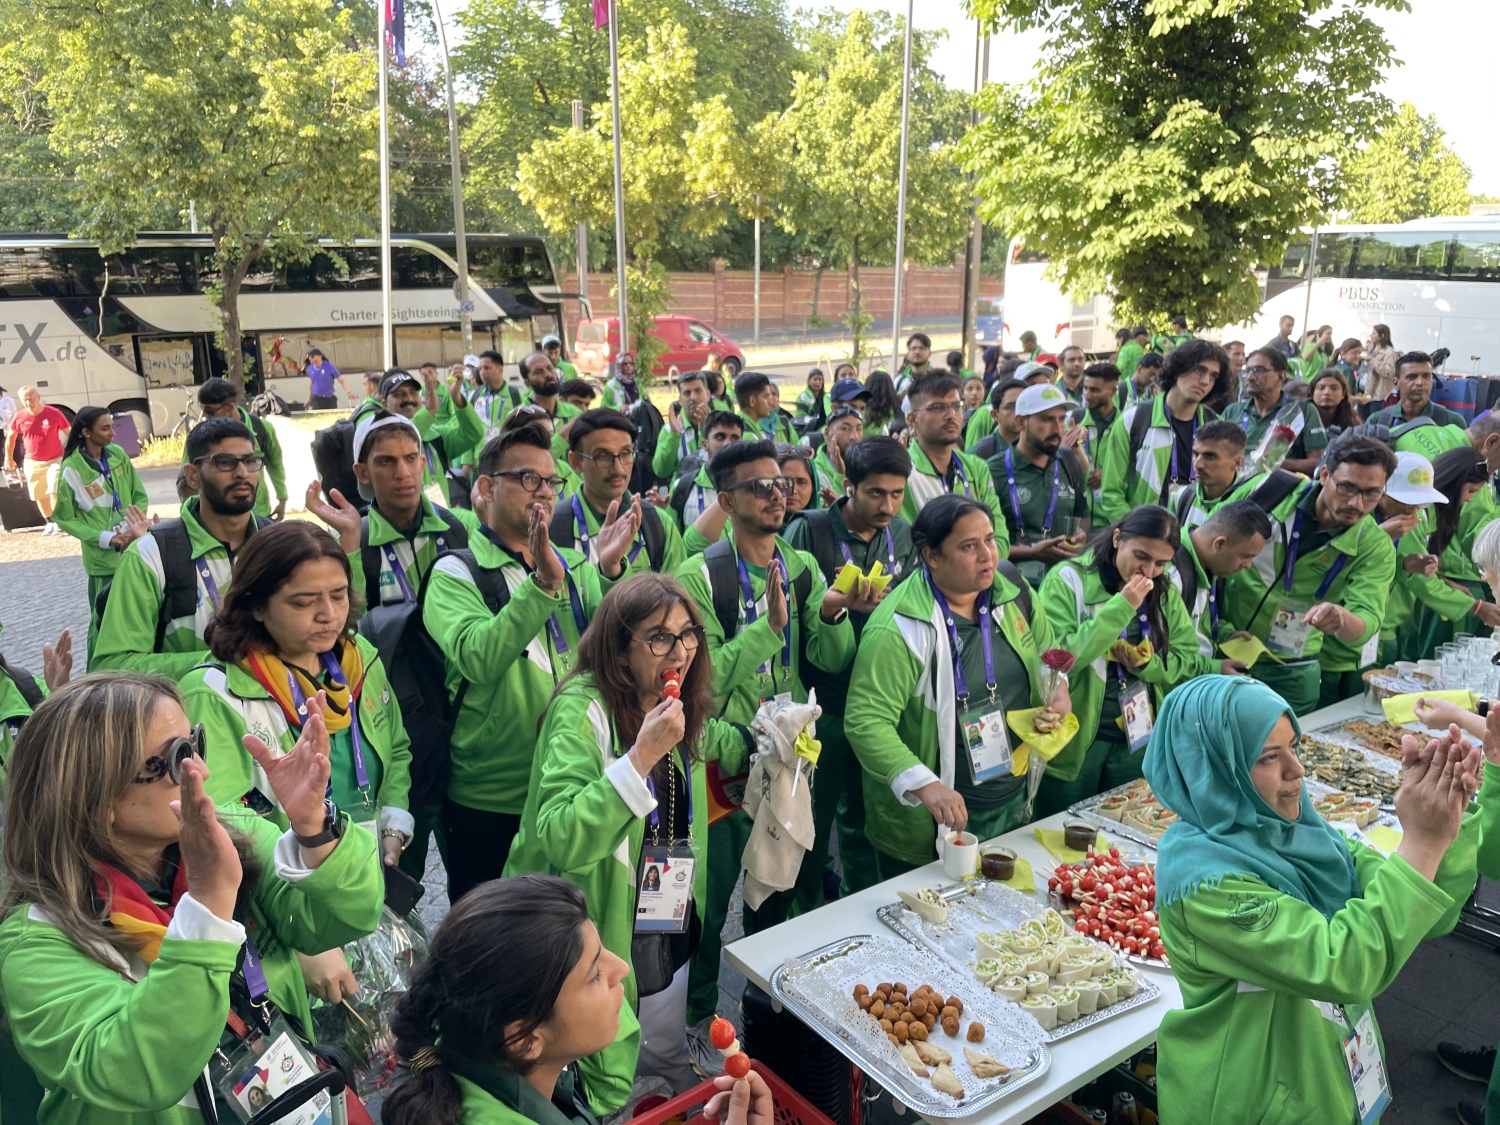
column 747, row 593
column 958, row 465
column 582, row 525
column 1015, row 497
column 986, row 640
column 336, row 674
column 1145, row 636
column 1213, row 609
column 654, row 817
column 1191, row 474
column 206, row 576
column 1289, row 565
column 890, row 552
column 559, row 643
column 105, row 471
column 255, row 974
column 432, row 458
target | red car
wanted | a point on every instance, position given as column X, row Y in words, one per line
column 689, row 344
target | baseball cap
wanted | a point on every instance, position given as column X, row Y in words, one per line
column 372, row 422
column 1031, row 368
column 1047, row 359
column 1411, row 483
column 396, row 379
column 1040, row 399
column 848, row 390
column 549, row 340
column 471, row 361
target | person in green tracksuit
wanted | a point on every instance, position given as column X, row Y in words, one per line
column 759, row 655
column 1328, row 569
column 601, row 452
column 1129, row 355
column 619, row 780
column 21, row 691
column 507, row 663
column 224, row 468
column 1266, row 404
column 759, row 401
column 844, row 427
column 1226, row 543
column 1282, row 931
column 119, row 1013
column 621, row 391
column 691, row 497
column 939, row 664
column 1168, row 342
column 812, row 403
column 1149, row 464
column 683, row 434
column 1218, row 461
column 1414, row 388
column 443, row 439
column 860, row 528
column 493, row 400
column 1104, row 607
column 101, row 501
column 221, row 399
column 562, row 986
column 553, row 347
column 937, row 465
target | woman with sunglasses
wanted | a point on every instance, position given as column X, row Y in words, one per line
column 618, row 785
column 132, row 906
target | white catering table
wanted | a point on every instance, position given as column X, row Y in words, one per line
column 1076, row 1060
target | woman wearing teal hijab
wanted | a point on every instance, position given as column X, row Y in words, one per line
column 1280, row 930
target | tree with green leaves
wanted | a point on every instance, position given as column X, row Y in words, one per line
column 1407, row 171
column 1165, row 148
column 261, row 112
column 844, row 131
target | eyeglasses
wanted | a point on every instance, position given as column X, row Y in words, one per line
column 226, row 462
column 603, row 461
column 939, row 408
column 531, row 481
column 169, row 764
column 785, row 450
column 1259, row 370
column 763, row 488
column 1364, row 495
column 661, row 642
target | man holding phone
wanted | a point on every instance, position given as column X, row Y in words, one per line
column 684, row 433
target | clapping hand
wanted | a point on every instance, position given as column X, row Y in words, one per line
column 616, row 534
column 209, row 856
column 57, row 661
column 1437, row 782
column 137, row 524
column 778, row 616
column 341, row 516
column 299, row 778
column 545, row 562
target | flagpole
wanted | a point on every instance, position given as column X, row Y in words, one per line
column 614, row 84
column 387, row 359
column 460, row 237
column 901, row 197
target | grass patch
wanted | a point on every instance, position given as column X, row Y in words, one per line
column 160, row 452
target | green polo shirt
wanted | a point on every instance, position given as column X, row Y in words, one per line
column 1033, row 489
column 1310, row 441
column 1394, row 416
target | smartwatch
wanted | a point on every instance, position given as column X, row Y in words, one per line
column 333, row 828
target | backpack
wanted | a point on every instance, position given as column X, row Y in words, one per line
column 268, row 402
column 687, row 475
column 333, row 457
column 648, row 426
column 370, row 557
column 180, row 589
column 1139, row 424
column 1269, row 494
column 724, row 585
column 564, row 532
column 416, row 670
column 25, row 683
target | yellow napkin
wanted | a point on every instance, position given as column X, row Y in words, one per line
column 1052, row 840
column 1048, row 745
column 1024, row 880
column 1403, row 708
column 807, row 747
column 1384, row 837
column 1247, row 650
column 849, row 574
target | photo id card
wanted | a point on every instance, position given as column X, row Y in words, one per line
column 1135, row 709
column 665, row 890
column 988, row 742
column 262, row 1069
column 1289, row 632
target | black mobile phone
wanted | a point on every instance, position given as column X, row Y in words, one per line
column 402, row 892
column 677, row 407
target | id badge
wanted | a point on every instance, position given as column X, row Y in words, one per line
column 665, row 894
column 1371, row 649
column 262, row 1068
column 1135, row 709
column 1363, row 1058
column 436, row 493
column 1289, row 632
column 988, row 742
column 1173, row 492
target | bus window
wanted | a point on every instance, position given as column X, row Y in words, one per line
column 1477, row 258
column 350, row 349
column 516, row 340
column 988, row 307
column 443, row 345
column 1291, row 270
column 1334, row 254
column 1418, row 256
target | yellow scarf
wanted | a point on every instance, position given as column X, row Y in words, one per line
column 276, row 676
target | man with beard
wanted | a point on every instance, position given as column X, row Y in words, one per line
column 170, row 581
column 1414, row 388
column 220, row 398
column 683, row 434
column 935, row 419
column 441, row 437
column 1042, row 482
column 1071, row 362
column 543, row 389
column 601, row 451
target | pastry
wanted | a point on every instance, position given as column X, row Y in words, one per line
column 910, row 1057
column 945, row 1081
column 1012, row 988
column 1088, row 996
column 932, row 1054
column 1067, row 1003
column 1041, row 1008
column 985, row 1065
column 926, row 904
column 975, row 1033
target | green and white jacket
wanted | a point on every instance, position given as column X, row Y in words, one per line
column 86, row 505
column 1153, row 461
column 925, row 484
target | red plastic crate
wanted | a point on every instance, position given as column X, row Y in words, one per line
column 791, row 1107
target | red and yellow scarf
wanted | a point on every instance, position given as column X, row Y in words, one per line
column 131, row 910
column 275, row 675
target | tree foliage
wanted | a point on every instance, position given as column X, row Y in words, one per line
column 1168, row 147
column 1407, row 171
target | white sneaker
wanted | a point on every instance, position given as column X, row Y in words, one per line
column 50, row 529
column 704, row 1056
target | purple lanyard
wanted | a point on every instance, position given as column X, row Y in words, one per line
column 299, row 701
column 1015, row 497
column 104, row 470
column 554, row 630
column 653, row 818
column 747, row 592
column 583, row 533
column 1145, row 636
column 986, row 640
column 407, row 593
column 255, row 975
column 206, row 576
column 958, row 466
column 890, row 552
column 432, row 458
column 1289, row 565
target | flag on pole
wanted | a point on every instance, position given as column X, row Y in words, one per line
column 395, row 28
column 601, row 14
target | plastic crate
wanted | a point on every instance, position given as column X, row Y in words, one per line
column 791, row 1107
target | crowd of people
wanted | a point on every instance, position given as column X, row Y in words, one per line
column 552, row 637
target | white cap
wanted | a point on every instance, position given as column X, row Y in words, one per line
column 370, row 423
column 1411, row 483
column 471, row 361
column 1040, row 399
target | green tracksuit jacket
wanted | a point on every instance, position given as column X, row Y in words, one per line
column 585, row 820
column 1205, row 661
column 273, row 467
column 673, row 553
column 924, row 484
column 86, row 505
column 14, row 712
column 415, row 556
column 981, row 425
column 615, row 397
column 672, row 448
column 123, row 1045
column 1128, row 358
column 231, row 703
column 901, row 718
column 1086, row 620
column 1250, row 1045
column 511, row 665
column 445, row 438
column 782, row 432
column 1153, row 461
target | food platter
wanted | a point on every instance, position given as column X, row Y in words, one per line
column 818, row 987
column 985, row 907
column 1106, row 809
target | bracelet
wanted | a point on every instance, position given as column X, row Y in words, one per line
column 396, row 833
column 550, row 591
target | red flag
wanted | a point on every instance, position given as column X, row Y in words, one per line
column 601, row 14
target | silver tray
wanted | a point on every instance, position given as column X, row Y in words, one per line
column 989, row 905
column 1336, row 734
column 817, row 988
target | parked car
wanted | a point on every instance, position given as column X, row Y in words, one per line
column 689, row 344
column 989, row 320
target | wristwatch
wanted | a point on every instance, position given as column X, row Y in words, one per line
column 333, row 828
column 396, row 834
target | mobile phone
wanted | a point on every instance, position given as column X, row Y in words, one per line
column 402, row 892
column 677, row 407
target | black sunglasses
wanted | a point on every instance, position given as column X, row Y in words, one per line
column 169, row 764
column 763, row 488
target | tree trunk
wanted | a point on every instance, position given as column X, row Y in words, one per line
column 229, row 315
column 856, row 304
column 817, row 289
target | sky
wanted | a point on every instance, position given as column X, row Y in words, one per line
column 1446, row 46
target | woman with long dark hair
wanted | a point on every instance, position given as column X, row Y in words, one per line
column 619, row 783
column 518, row 986
column 1381, row 380
column 1456, row 599
column 884, row 406
column 101, row 501
column 1117, row 612
column 1330, row 394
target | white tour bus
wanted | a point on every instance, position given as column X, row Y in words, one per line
column 135, row 333
column 1435, row 282
column 1035, row 303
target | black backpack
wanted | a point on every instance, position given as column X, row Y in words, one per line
column 333, row 457
column 180, row 593
column 687, row 475
column 25, row 683
column 1139, row 424
column 416, row 670
column 563, row 531
column 724, row 586
column 648, row 426
column 370, row 557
